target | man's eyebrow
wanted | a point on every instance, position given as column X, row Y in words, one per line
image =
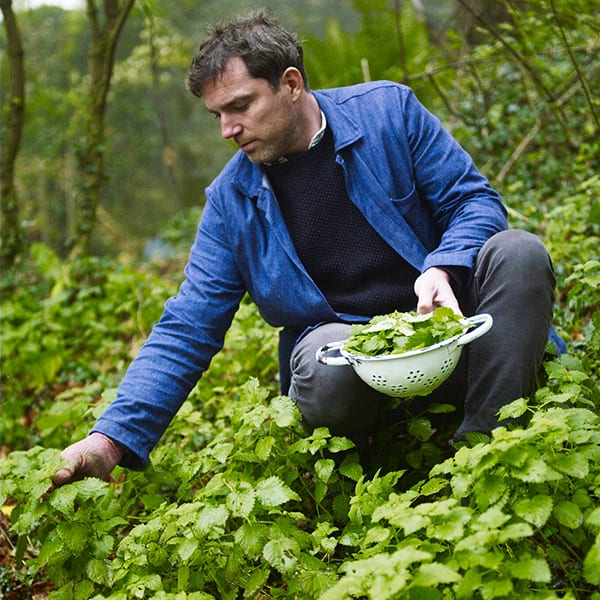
column 232, row 104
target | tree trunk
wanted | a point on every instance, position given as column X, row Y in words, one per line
column 105, row 31
column 11, row 237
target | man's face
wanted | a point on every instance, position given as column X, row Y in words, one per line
column 260, row 120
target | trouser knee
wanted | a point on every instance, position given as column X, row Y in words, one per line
column 330, row 396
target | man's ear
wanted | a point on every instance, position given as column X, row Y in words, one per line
column 291, row 80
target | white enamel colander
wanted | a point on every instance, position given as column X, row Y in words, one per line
column 412, row 373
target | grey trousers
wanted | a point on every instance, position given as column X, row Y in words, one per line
column 514, row 282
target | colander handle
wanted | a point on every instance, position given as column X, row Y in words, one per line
column 336, row 361
column 484, row 321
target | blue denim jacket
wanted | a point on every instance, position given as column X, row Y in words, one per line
column 415, row 185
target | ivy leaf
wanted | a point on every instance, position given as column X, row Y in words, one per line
column 273, row 492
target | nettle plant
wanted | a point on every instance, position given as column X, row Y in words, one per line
column 255, row 508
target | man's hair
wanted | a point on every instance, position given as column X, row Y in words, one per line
column 256, row 37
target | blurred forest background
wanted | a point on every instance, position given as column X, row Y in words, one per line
column 513, row 81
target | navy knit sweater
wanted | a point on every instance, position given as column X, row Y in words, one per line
column 354, row 267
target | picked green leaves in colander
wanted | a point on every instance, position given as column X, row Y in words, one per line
column 399, row 332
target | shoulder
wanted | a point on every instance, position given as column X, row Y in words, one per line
column 372, row 91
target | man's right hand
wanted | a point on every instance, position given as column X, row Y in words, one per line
column 94, row 456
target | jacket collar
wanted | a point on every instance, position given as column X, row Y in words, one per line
column 249, row 178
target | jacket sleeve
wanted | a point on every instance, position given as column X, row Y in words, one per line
column 464, row 206
column 179, row 349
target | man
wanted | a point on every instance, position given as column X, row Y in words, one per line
column 340, row 205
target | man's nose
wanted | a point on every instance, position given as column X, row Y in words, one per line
column 230, row 127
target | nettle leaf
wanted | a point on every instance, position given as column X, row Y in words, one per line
column 591, row 564
column 432, row 574
column 221, row 451
column 74, row 535
column 251, row 538
column 339, row 444
column 568, row 514
column 284, row 410
column 98, row 571
column 282, row 553
column 210, row 517
column 273, row 492
column 514, row 410
column 240, row 501
column 490, row 489
column 531, row 569
column 535, row 470
column 351, row 468
column 187, row 547
column 593, row 518
column 324, row 468
column 63, row 499
column 263, row 447
column 573, row 464
column 536, row 510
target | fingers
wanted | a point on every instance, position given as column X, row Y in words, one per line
column 94, row 456
column 433, row 289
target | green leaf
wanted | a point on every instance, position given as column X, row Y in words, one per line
column 251, row 537
column 187, row 547
column 514, row 410
column 536, row 510
column 324, row 468
column 339, row 444
column 433, row 486
column 568, row 514
column 573, row 464
column 74, row 535
column 273, row 492
column 282, row 554
column 432, row 574
column 240, row 501
column 591, row 564
column 63, row 499
column 351, row 469
column 210, row 517
column 284, row 410
column 98, row 571
column 263, row 447
column 535, row 470
column 532, row 569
